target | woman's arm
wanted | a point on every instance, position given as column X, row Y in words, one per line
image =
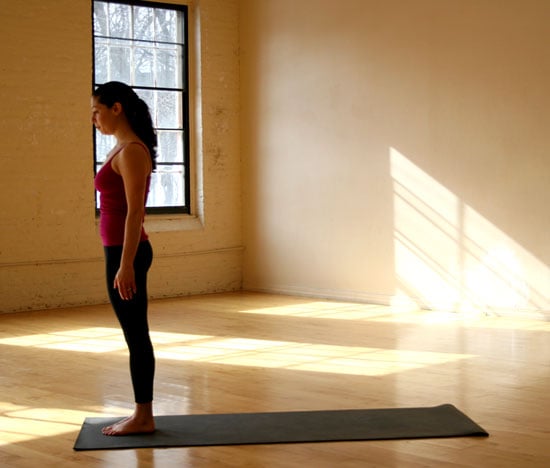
column 134, row 165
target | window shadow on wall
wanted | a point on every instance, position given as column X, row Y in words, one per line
column 448, row 256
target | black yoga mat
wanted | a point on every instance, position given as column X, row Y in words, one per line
column 286, row 427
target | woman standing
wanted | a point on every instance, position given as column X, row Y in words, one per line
column 123, row 183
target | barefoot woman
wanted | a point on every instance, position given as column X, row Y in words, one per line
column 123, row 184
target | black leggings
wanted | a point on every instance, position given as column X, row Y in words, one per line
column 132, row 315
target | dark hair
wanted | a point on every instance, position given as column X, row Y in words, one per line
column 135, row 109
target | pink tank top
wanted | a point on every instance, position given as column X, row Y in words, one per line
column 112, row 203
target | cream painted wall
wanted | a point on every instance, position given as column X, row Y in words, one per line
column 50, row 254
column 398, row 151
column 393, row 152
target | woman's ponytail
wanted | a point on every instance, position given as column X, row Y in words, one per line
column 141, row 122
column 136, row 111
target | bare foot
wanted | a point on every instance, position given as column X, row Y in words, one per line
column 107, row 429
column 130, row 425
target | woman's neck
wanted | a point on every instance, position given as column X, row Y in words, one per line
column 125, row 136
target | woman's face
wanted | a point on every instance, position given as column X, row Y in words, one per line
column 103, row 117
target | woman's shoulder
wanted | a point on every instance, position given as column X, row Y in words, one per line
column 133, row 154
column 132, row 145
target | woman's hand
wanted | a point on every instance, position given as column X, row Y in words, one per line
column 125, row 282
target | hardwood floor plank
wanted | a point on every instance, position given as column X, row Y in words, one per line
column 250, row 352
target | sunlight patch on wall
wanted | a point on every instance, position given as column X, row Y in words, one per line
column 449, row 257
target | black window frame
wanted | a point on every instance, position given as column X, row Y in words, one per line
column 186, row 207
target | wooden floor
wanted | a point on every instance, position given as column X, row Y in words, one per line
column 245, row 352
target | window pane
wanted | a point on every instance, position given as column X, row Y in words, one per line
column 170, row 146
column 168, row 67
column 120, row 64
column 101, row 61
column 119, row 20
column 166, row 187
column 167, row 26
column 144, row 20
column 144, row 58
column 168, row 109
column 101, row 19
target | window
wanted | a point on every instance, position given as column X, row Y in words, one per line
column 144, row 44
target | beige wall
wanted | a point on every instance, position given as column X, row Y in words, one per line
column 397, row 151
column 392, row 151
column 50, row 253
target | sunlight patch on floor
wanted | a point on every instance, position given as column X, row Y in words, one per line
column 401, row 312
column 326, row 309
column 90, row 340
column 350, row 360
column 21, row 423
column 262, row 353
